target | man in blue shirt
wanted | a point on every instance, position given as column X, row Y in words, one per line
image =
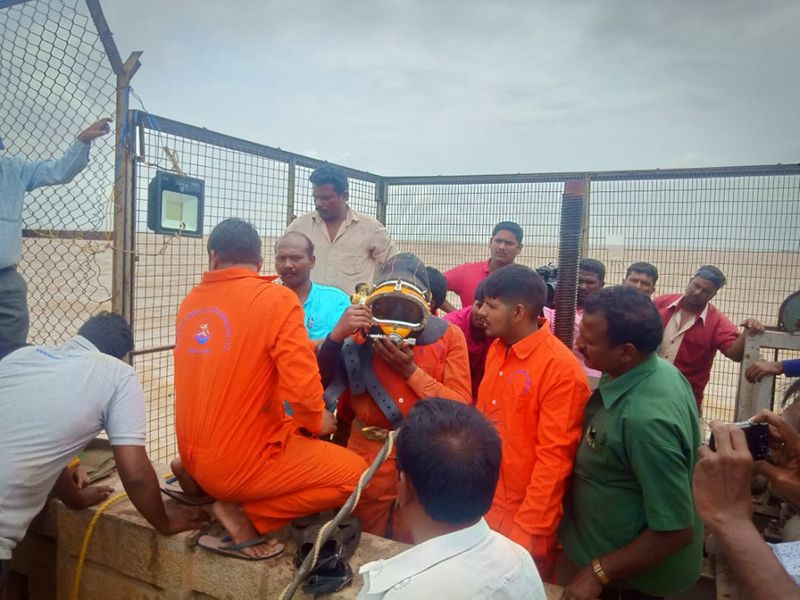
column 18, row 176
column 323, row 305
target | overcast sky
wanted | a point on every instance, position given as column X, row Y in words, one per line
column 413, row 87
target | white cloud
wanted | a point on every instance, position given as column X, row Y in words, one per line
column 454, row 87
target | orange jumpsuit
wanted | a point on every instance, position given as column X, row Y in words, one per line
column 442, row 372
column 534, row 392
column 241, row 350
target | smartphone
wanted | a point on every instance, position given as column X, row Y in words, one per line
column 757, row 435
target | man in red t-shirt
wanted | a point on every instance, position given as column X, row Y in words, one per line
column 694, row 329
column 504, row 245
column 472, row 324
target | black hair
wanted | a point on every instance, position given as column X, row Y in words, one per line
column 712, row 274
column 236, row 242
column 109, row 332
column 643, row 267
column 517, row 284
column 593, row 266
column 480, row 291
column 303, row 236
column 631, row 317
column 438, row 286
column 509, row 226
column 451, row 455
column 332, row 175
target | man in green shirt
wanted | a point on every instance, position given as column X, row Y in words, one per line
column 630, row 523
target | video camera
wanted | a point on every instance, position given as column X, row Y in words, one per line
column 549, row 273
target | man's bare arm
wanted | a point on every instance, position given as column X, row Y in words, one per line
column 141, row 483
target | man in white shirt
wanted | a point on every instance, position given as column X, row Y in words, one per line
column 448, row 462
column 53, row 402
column 349, row 245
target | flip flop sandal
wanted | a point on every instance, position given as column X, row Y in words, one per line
column 174, row 491
column 222, row 545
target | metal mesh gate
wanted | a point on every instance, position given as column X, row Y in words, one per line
column 263, row 185
column 742, row 219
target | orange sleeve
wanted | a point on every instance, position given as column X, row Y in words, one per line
column 455, row 384
column 559, row 432
column 299, row 382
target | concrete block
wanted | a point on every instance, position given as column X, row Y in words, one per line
column 124, row 542
column 225, row 578
column 99, row 582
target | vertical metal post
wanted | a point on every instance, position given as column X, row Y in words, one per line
column 290, row 187
column 572, row 211
column 124, row 226
column 587, row 187
column 122, row 202
column 124, row 191
column 380, row 200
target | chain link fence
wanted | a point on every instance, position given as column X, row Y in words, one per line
column 55, row 80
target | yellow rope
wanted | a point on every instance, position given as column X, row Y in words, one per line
column 76, row 584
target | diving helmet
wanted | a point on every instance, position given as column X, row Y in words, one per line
column 399, row 300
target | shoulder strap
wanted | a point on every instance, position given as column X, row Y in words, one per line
column 356, row 373
column 347, row 375
column 375, row 388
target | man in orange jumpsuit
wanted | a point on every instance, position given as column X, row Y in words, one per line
column 534, row 390
column 390, row 374
column 241, row 351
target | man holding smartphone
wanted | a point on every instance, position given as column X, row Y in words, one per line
column 630, row 523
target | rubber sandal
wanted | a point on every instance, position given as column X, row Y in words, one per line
column 174, row 491
column 222, row 546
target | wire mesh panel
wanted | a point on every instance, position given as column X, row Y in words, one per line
column 745, row 222
column 447, row 224
column 243, row 180
column 55, row 80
